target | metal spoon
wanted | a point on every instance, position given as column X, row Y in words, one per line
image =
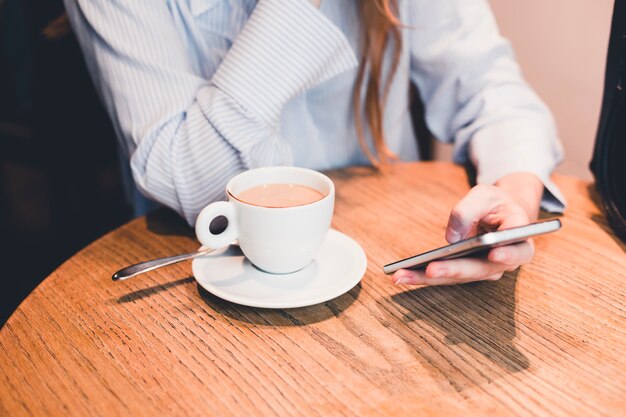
column 140, row 268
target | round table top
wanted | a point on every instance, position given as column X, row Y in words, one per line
column 546, row 339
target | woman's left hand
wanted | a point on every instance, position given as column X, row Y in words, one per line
column 513, row 202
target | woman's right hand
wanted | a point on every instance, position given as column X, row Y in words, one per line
column 513, row 202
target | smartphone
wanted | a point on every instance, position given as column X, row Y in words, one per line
column 476, row 245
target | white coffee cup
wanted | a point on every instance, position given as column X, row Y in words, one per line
column 277, row 240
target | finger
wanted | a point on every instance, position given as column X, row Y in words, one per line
column 457, row 271
column 467, row 269
column 406, row 276
column 464, row 217
column 517, row 254
column 409, row 277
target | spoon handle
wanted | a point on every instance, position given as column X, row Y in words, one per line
column 140, row 268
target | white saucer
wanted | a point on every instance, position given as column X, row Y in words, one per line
column 339, row 266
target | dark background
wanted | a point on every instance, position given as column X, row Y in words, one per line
column 60, row 186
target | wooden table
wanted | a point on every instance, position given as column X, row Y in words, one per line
column 548, row 339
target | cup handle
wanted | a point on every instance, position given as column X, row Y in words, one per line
column 210, row 213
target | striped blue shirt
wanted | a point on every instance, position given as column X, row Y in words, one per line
column 199, row 90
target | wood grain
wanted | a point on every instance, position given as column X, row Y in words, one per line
column 545, row 340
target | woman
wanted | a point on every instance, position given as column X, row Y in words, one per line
column 200, row 90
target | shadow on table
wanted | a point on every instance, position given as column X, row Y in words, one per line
column 150, row 291
column 281, row 317
column 480, row 315
column 257, row 316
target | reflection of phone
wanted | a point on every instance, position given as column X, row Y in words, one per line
column 475, row 245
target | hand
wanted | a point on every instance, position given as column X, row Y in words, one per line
column 316, row 3
column 513, row 202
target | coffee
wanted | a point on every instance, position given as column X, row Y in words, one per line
column 280, row 195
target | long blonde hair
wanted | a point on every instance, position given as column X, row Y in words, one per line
column 380, row 27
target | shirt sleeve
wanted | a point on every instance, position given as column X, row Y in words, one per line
column 475, row 96
column 188, row 134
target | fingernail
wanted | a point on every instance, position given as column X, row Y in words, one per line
column 454, row 236
column 403, row 279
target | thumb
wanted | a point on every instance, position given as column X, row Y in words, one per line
column 479, row 202
column 457, row 229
